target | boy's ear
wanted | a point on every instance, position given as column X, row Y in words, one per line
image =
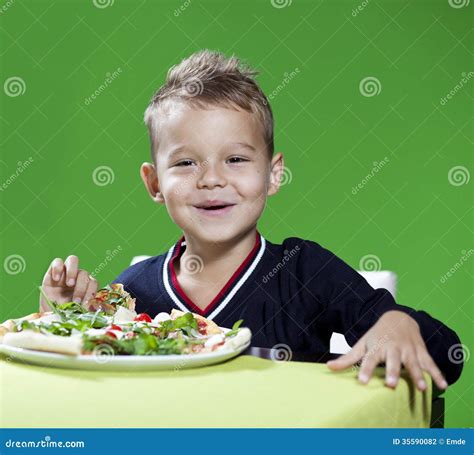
column 150, row 179
column 276, row 171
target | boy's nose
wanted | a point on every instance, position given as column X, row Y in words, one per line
column 210, row 177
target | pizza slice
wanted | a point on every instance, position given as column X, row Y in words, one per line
column 205, row 326
column 109, row 298
column 110, row 319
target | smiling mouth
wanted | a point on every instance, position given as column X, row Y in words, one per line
column 215, row 209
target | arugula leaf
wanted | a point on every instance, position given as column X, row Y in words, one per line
column 141, row 344
column 25, row 325
column 53, row 305
column 96, row 320
column 235, row 328
column 186, row 323
column 72, row 306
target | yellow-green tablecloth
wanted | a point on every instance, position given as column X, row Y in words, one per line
column 243, row 392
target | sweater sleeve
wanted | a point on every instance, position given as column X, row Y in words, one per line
column 351, row 307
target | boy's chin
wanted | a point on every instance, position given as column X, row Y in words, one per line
column 214, row 234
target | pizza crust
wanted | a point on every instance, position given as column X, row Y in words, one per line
column 10, row 324
column 243, row 337
column 28, row 339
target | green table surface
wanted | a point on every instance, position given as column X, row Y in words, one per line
column 243, row 392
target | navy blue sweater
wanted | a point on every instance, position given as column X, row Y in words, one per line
column 296, row 293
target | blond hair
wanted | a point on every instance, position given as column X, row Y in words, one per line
column 209, row 78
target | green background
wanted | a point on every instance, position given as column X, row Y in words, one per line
column 411, row 215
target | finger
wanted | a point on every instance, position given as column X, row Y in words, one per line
column 412, row 365
column 62, row 281
column 347, row 360
column 368, row 366
column 392, row 367
column 72, row 267
column 82, row 282
column 91, row 289
column 428, row 364
column 55, row 270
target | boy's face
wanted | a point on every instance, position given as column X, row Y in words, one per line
column 212, row 157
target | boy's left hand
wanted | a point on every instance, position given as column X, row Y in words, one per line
column 394, row 339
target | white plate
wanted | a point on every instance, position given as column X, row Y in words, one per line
column 107, row 362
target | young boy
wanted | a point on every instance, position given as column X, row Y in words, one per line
column 213, row 166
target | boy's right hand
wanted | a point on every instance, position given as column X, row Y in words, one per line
column 65, row 282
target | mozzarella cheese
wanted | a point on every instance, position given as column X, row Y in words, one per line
column 159, row 318
column 124, row 315
column 47, row 319
column 95, row 332
column 214, row 339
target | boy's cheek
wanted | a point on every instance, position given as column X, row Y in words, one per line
column 177, row 190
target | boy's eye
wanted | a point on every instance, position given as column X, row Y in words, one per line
column 237, row 159
column 184, row 163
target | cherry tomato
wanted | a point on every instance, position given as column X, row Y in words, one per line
column 143, row 317
column 114, row 327
column 202, row 327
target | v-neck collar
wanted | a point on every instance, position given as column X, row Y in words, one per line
column 224, row 296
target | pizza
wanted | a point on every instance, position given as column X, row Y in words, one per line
column 109, row 319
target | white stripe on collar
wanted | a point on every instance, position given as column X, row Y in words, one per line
column 168, row 288
column 229, row 296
